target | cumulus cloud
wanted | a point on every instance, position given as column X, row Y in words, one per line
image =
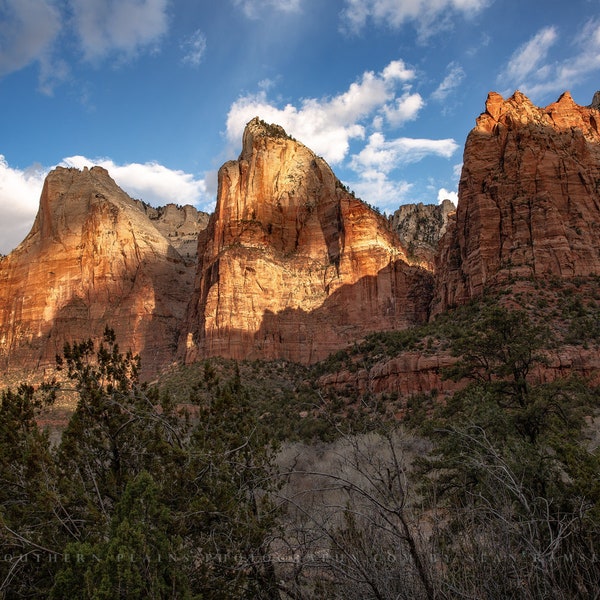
column 118, row 25
column 533, row 70
column 19, row 199
column 379, row 190
column 406, row 108
column 327, row 125
column 381, row 155
column 194, row 48
column 444, row 194
column 376, row 161
column 427, row 15
column 452, row 80
column 151, row 182
column 253, row 8
column 27, row 32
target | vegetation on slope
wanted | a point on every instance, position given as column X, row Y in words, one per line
column 250, row 480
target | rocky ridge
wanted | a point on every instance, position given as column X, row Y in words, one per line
column 181, row 225
column 420, row 228
column 92, row 259
column 529, row 199
column 292, row 265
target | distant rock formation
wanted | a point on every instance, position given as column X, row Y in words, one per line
column 291, row 264
column 180, row 225
column 92, row 259
column 529, row 198
column 420, row 228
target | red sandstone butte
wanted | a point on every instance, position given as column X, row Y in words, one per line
column 92, row 259
column 292, row 265
column 529, row 198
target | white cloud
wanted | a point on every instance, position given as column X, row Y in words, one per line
column 118, row 25
column 428, row 15
column 533, row 71
column 151, row 182
column 28, row 30
column 374, row 163
column 253, row 8
column 527, row 58
column 19, row 199
column 452, row 80
column 194, row 48
column 377, row 189
column 384, row 156
column 406, row 108
column 328, row 125
column 444, row 194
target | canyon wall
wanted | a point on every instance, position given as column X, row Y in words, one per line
column 529, row 199
column 92, row 259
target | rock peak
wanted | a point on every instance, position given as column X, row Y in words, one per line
column 257, row 129
column 292, row 265
column 529, row 198
column 518, row 111
column 92, row 258
column 596, row 101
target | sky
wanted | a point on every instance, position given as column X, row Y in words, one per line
column 159, row 91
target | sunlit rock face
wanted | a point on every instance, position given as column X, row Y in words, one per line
column 529, row 198
column 92, row 259
column 292, row 265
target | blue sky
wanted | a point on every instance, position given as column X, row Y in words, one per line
column 159, row 91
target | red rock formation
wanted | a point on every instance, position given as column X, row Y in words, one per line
column 292, row 265
column 529, row 198
column 92, row 259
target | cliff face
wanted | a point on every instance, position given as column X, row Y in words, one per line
column 92, row 259
column 293, row 266
column 529, row 198
column 179, row 224
column 420, row 228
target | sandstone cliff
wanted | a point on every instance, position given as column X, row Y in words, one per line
column 420, row 228
column 179, row 224
column 92, row 259
column 529, row 198
column 292, row 265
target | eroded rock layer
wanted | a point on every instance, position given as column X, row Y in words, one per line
column 420, row 228
column 529, row 198
column 92, row 259
column 291, row 264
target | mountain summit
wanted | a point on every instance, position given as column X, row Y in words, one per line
column 293, row 265
column 529, row 198
column 92, row 259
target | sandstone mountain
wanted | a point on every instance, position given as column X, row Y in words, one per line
column 291, row 264
column 529, row 198
column 420, row 228
column 92, row 259
column 180, row 225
